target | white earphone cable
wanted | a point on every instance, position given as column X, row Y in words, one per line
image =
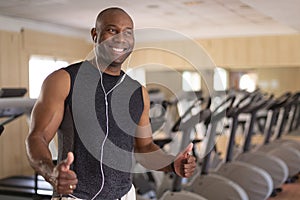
column 107, row 123
column 107, row 126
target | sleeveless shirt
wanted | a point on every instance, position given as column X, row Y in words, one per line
column 84, row 128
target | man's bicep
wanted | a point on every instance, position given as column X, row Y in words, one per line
column 144, row 129
column 45, row 120
column 48, row 111
column 143, row 135
column 142, row 144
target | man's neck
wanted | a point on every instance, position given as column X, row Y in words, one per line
column 111, row 70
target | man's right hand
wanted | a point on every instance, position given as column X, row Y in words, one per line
column 66, row 179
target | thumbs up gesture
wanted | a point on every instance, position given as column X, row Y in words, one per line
column 66, row 179
column 185, row 164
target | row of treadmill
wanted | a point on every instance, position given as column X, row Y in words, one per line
column 246, row 170
column 261, row 154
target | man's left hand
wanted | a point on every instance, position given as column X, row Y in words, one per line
column 185, row 164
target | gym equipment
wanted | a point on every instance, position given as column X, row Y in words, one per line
column 280, row 148
column 146, row 189
column 275, row 167
column 12, row 106
column 285, row 121
column 181, row 195
column 294, row 113
column 12, row 92
column 255, row 181
column 205, row 183
column 158, row 108
column 176, row 191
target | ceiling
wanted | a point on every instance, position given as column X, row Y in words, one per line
column 192, row 18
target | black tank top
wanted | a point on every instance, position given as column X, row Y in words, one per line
column 84, row 129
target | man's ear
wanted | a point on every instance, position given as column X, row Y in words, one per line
column 94, row 34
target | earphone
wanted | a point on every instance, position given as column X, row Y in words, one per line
column 95, row 39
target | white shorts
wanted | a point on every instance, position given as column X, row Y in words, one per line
column 129, row 196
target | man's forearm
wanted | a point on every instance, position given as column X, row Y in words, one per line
column 40, row 158
column 153, row 158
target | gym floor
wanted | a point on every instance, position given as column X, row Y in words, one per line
column 11, row 197
column 4, row 197
column 290, row 191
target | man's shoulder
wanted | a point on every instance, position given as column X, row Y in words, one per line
column 73, row 68
column 74, row 65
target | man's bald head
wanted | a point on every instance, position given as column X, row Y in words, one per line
column 115, row 27
column 111, row 11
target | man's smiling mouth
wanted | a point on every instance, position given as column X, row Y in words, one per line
column 118, row 50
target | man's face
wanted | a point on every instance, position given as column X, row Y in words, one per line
column 115, row 38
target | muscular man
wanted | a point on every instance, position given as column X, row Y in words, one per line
column 95, row 160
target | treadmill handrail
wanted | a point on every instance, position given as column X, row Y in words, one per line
column 177, row 124
column 255, row 106
column 11, row 102
column 281, row 101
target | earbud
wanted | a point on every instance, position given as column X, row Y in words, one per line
column 95, row 39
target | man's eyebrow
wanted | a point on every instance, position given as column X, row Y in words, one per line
column 110, row 25
column 113, row 25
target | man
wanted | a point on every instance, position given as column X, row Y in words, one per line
column 95, row 162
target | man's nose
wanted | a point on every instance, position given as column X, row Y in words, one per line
column 120, row 37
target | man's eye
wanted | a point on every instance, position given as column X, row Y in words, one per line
column 128, row 33
column 111, row 30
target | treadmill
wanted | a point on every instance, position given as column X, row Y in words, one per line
column 13, row 105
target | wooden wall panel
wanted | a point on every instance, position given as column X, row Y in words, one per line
column 279, row 80
column 16, row 49
column 10, row 52
column 148, row 57
column 260, row 51
column 235, row 53
column 298, row 79
column 12, row 153
column 41, row 43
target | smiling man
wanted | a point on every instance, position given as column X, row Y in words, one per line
column 101, row 116
column 115, row 27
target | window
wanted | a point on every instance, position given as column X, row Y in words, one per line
column 39, row 69
column 220, row 79
column 191, row 81
column 138, row 74
column 248, row 82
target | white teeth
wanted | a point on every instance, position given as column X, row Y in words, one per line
column 117, row 49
